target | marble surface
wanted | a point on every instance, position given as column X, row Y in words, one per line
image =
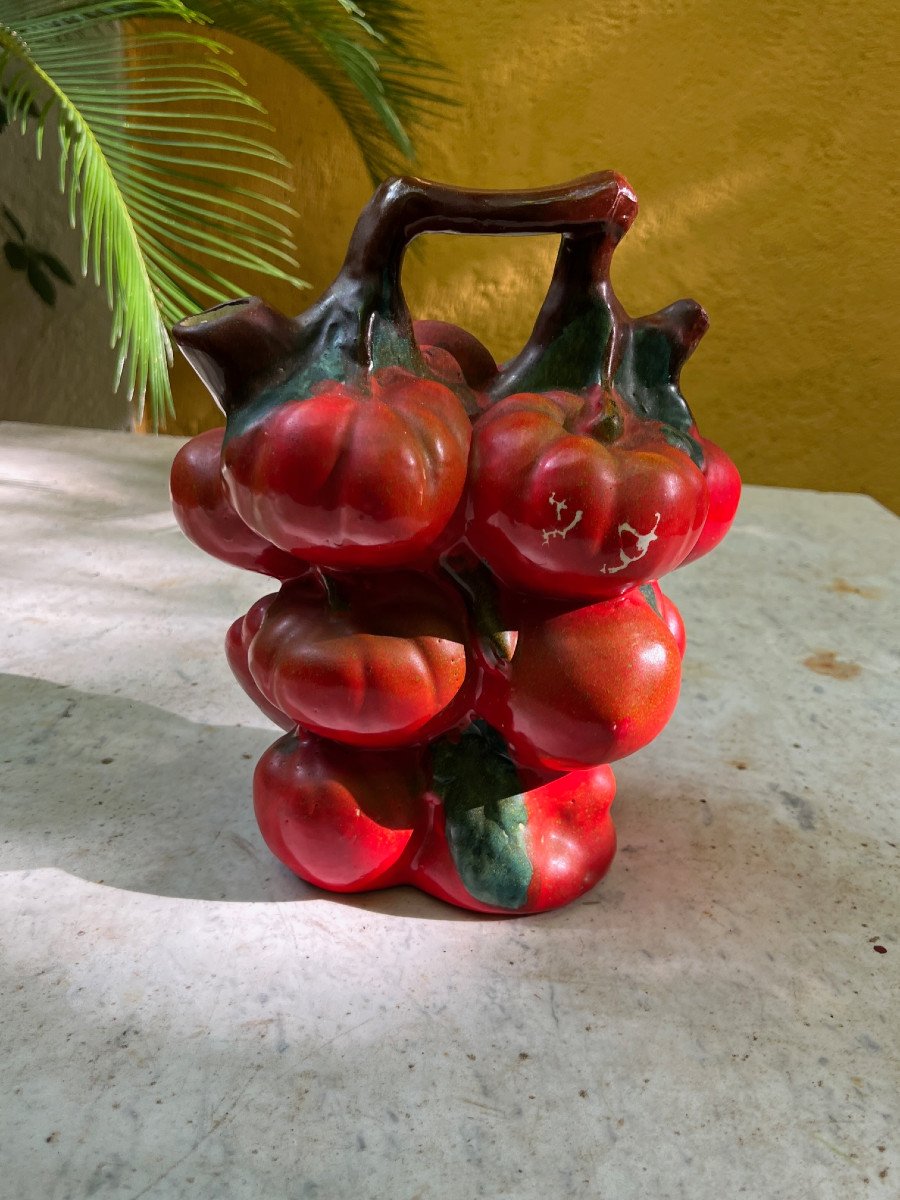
column 183, row 1019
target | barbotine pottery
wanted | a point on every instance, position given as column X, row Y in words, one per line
column 469, row 626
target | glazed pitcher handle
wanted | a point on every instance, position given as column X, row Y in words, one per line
column 403, row 208
column 239, row 348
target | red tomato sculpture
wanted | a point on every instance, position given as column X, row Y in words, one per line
column 584, row 686
column 724, row 486
column 469, row 627
column 573, row 496
column 367, row 660
column 474, row 360
column 237, row 651
column 334, row 816
column 206, row 515
column 353, row 476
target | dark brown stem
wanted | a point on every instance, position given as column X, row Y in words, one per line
column 405, row 207
column 243, row 349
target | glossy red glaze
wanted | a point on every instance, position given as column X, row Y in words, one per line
column 353, row 477
column 354, row 820
column 671, row 616
column 237, row 650
column 724, row 485
column 570, row 839
column 339, row 818
column 206, row 515
column 371, row 660
column 556, row 508
column 584, row 686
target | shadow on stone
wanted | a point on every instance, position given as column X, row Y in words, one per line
column 131, row 796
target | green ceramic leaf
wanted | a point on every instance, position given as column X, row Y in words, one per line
column 654, row 350
column 649, row 595
column 575, row 360
column 685, row 443
column 485, row 816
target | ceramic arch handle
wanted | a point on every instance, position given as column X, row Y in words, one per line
column 403, row 208
column 239, row 349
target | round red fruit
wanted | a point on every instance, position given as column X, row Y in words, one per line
column 724, row 484
column 573, row 496
column 353, row 476
column 237, row 649
column 339, row 818
column 206, row 515
column 475, row 360
column 370, row 660
column 585, row 686
column 504, row 839
column 666, row 608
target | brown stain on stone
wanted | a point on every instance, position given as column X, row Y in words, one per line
column 843, row 588
column 826, row 662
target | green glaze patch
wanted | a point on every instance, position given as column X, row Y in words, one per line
column 652, row 352
column 388, row 347
column 685, row 443
column 480, row 588
column 331, row 364
column 485, row 816
column 346, row 331
column 649, row 595
column 647, row 375
column 575, row 359
column 330, row 349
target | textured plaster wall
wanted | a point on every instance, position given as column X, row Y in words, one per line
column 757, row 138
column 55, row 363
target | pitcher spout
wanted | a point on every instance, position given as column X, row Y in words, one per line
column 235, row 347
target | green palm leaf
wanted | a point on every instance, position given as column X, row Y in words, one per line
column 164, row 156
column 366, row 58
column 140, row 173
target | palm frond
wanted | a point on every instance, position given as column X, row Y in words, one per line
column 367, row 58
column 150, row 187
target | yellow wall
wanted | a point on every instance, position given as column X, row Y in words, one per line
column 757, row 139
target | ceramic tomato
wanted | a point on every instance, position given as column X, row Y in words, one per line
column 338, row 817
column 460, row 821
column 582, row 686
column 237, row 651
column 502, row 839
column 661, row 604
column 724, row 486
column 371, row 660
column 206, row 515
column 470, row 627
column 474, row 360
column 573, row 496
column 363, row 475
